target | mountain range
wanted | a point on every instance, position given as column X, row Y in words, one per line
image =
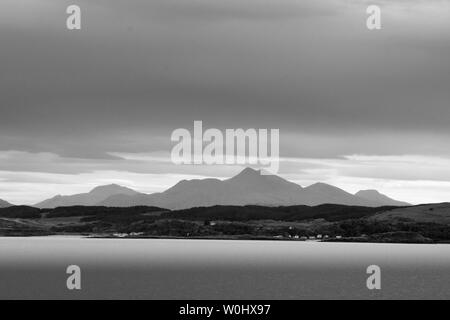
column 249, row 187
column 92, row 198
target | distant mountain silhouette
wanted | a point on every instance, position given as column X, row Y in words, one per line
column 249, row 187
column 5, row 204
column 320, row 193
column 374, row 195
column 91, row 198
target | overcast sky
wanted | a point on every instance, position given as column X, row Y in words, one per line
column 358, row 109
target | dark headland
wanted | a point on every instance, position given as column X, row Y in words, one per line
column 328, row 222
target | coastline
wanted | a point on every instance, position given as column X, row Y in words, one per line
column 229, row 238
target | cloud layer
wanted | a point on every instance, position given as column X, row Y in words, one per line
column 72, row 102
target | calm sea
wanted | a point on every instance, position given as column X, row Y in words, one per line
column 35, row 268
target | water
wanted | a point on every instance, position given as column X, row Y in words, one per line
column 34, row 268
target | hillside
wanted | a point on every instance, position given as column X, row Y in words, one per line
column 429, row 213
column 4, row 204
column 375, row 196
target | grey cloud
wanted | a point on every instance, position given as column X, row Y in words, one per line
column 140, row 69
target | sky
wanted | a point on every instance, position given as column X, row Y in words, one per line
column 358, row 109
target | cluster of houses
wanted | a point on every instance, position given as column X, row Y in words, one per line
column 309, row 238
column 125, row 235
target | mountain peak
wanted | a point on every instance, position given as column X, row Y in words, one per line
column 5, row 204
column 112, row 188
column 321, row 186
column 249, row 172
column 95, row 196
column 367, row 192
column 376, row 196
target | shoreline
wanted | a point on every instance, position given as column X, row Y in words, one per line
column 235, row 238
